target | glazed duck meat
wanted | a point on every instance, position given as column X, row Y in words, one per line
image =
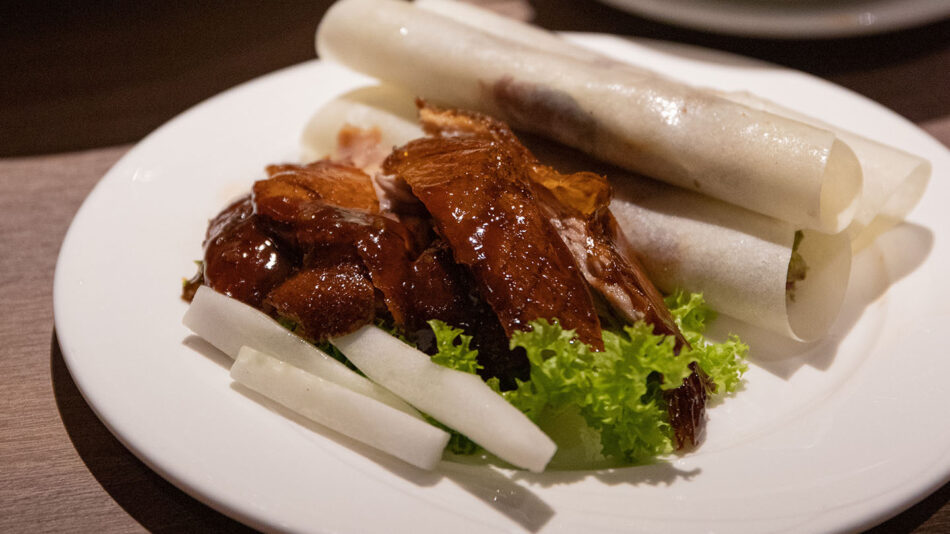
column 325, row 301
column 576, row 205
column 328, row 212
column 464, row 226
column 481, row 203
column 241, row 259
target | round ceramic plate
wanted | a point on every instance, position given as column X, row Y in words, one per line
column 795, row 19
column 838, row 434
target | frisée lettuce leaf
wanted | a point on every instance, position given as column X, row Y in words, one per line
column 617, row 392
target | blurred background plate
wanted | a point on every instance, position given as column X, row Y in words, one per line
column 793, row 19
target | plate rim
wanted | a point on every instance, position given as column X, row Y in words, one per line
column 789, row 19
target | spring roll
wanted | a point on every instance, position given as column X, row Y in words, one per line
column 633, row 118
column 893, row 180
column 738, row 258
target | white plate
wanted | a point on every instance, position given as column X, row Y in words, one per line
column 839, row 434
column 790, row 18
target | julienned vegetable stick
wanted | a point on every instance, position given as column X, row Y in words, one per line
column 631, row 117
column 342, row 409
column 893, row 180
column 459, row 400
column 229, row 324
column 739, row 259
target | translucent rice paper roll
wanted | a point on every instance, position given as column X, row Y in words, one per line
column 739, row 259
column 893, row 180
column 630, row 117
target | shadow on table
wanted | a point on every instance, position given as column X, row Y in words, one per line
column 914, row 517
column 152, row 501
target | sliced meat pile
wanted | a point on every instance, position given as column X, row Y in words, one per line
column 473, row 231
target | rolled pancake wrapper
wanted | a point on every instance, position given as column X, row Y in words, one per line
column 737, row 258
column 631, row 117
column 893, row 180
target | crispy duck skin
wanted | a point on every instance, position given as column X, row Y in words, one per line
column 437, row 286
column 241, row 260
column 326, row 301
column 481, row 202
column 577, row 206
column 686, row 406
column 441, row 289
column 301, row 213
column 602, row 252
column 334, row 183
column 312, row 207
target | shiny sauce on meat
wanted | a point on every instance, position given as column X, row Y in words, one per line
column 241, row 260
column 481, row 204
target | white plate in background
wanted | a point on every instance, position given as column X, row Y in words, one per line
column 792, row 19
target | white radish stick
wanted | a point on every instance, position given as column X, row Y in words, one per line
column 341, row 409
column 229, row 324
column 459, row 400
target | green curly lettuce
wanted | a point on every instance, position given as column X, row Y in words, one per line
column 454, row 348
column 618, row 392
column 724, row 362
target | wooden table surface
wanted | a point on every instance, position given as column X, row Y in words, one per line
column 82, row 81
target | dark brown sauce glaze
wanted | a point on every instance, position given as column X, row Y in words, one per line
column 686, row 406
column 241, row 260
column 301, row 215
column 482, row 205
column 326, row 301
